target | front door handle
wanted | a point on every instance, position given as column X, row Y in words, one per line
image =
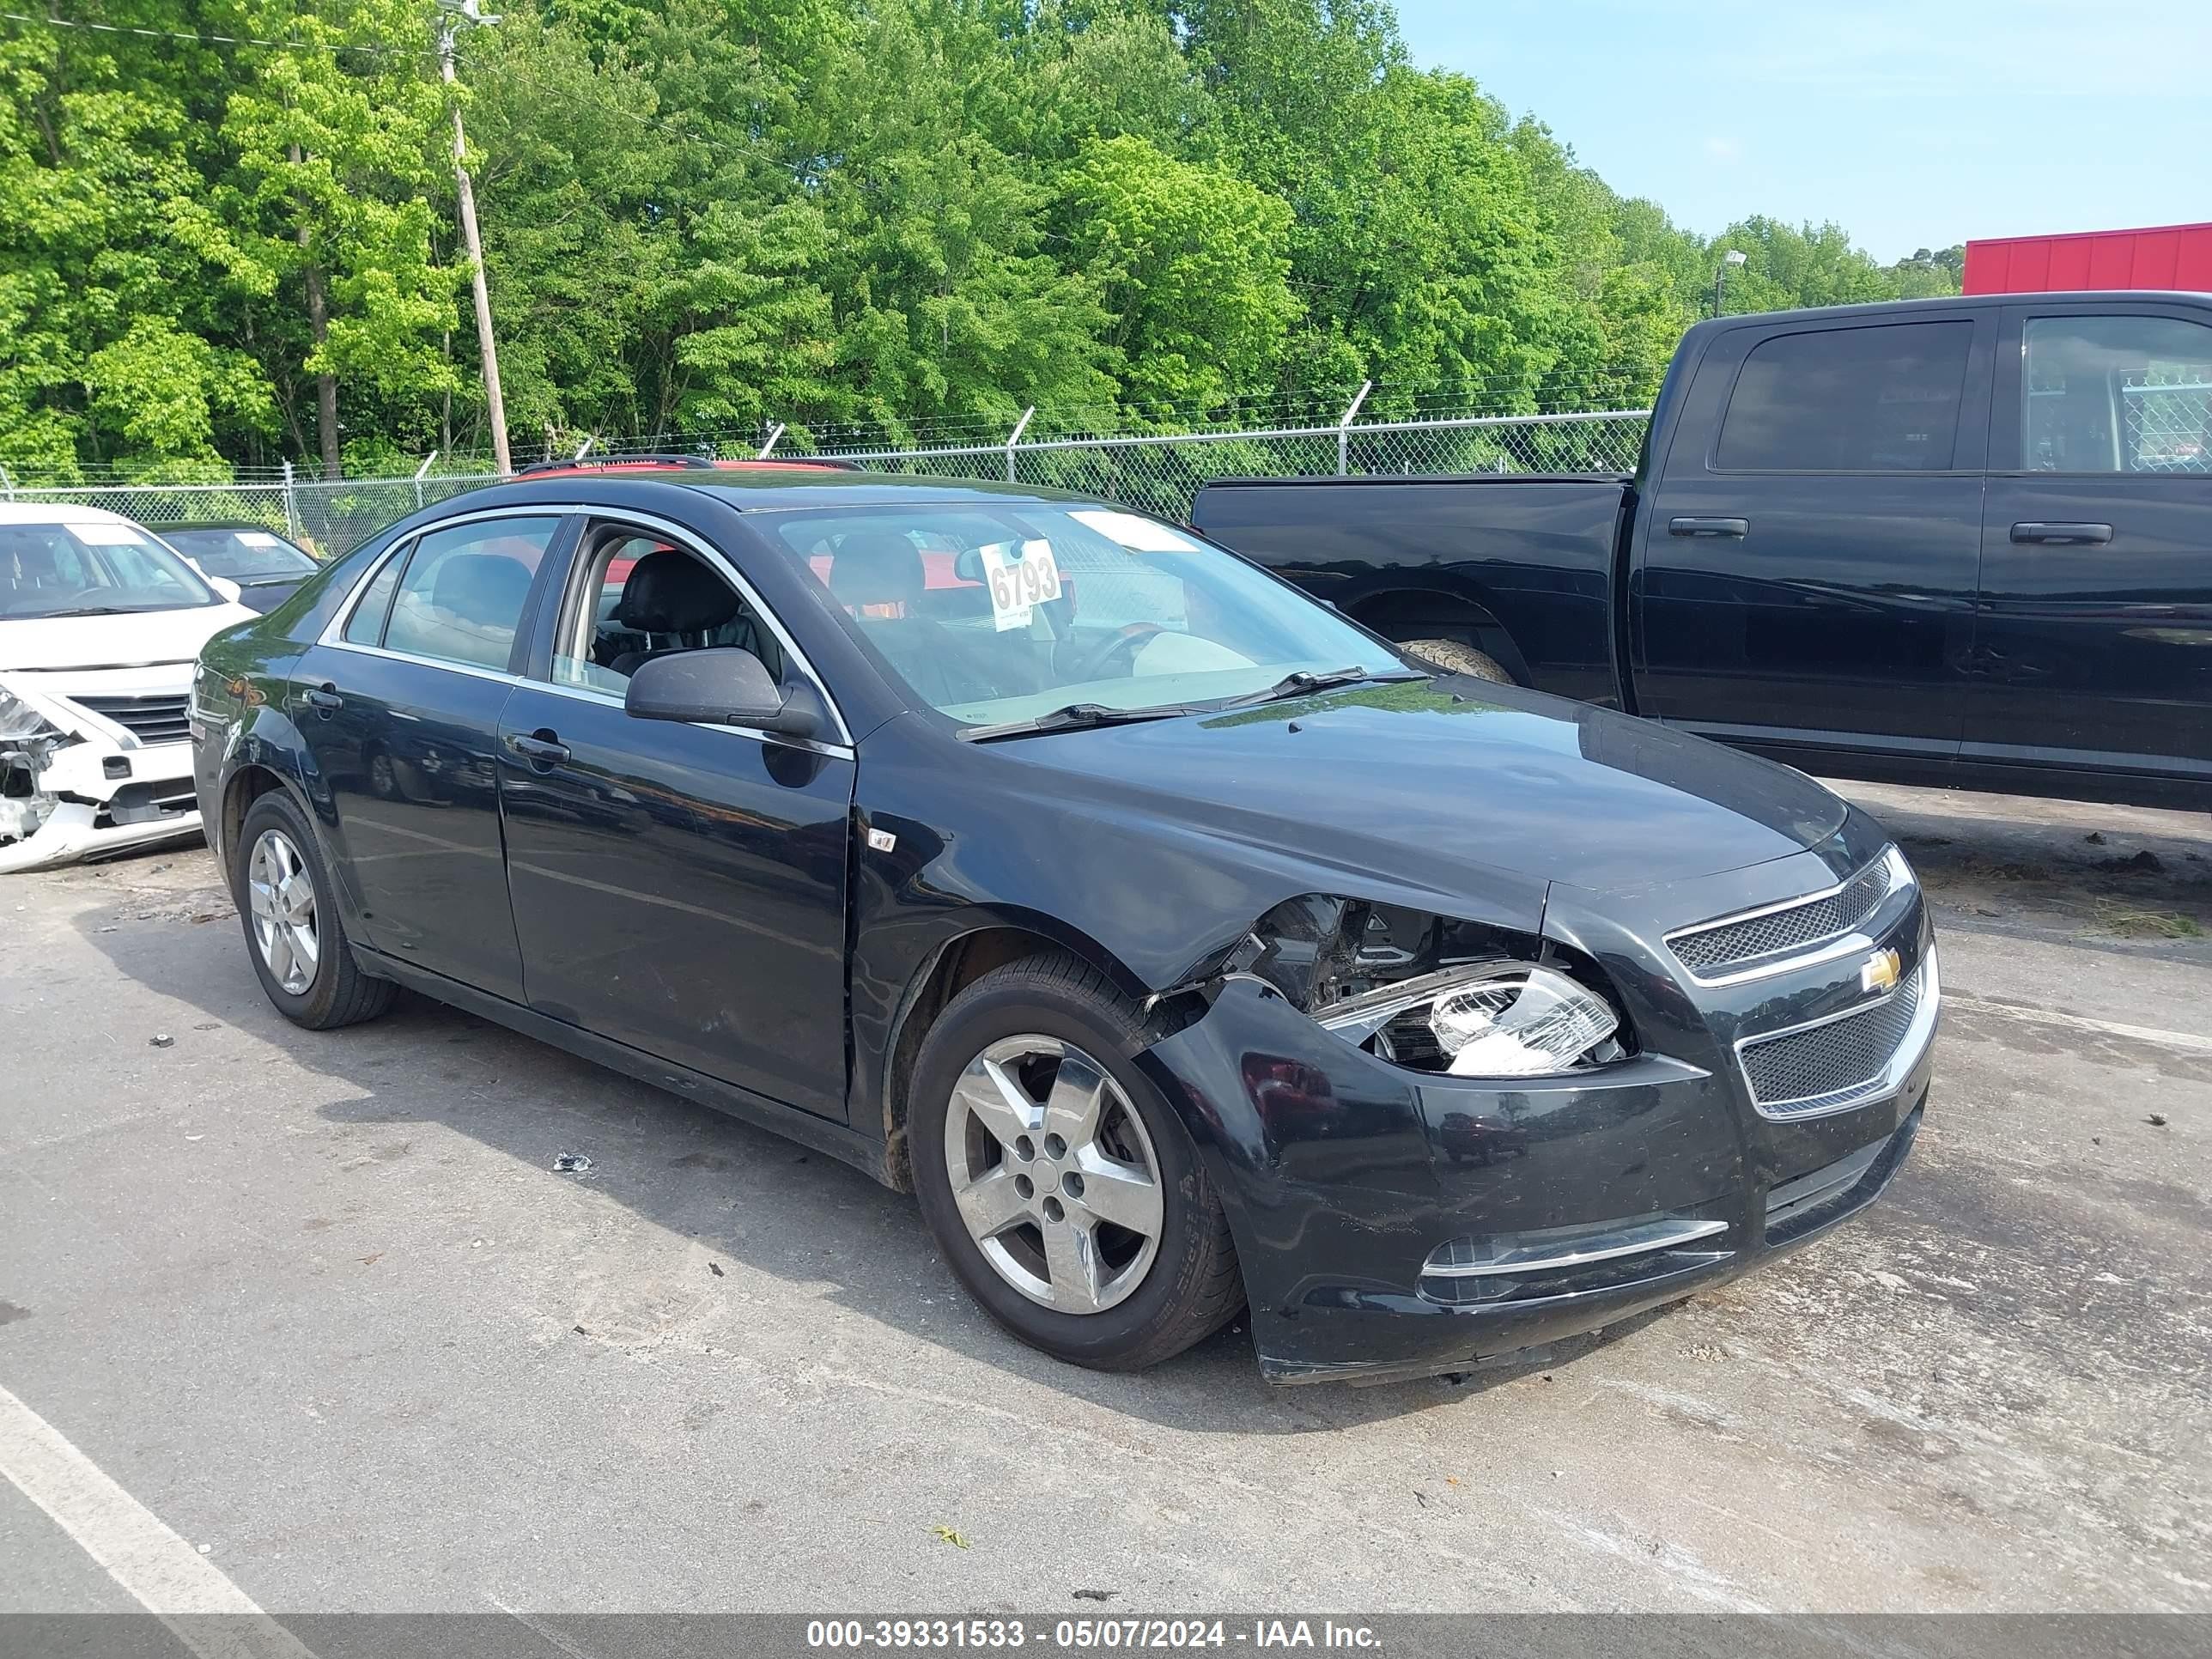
column 542, row 748
column 325, row 700
column 1736, row 527
column 2063, row 535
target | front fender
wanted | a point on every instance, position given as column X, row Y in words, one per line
column 1153, row 902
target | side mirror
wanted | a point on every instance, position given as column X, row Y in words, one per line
column 723, row 685
column 224, row 587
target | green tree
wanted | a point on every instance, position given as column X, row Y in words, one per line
column 334, row 187
column 1193, row 264
column 116, row 266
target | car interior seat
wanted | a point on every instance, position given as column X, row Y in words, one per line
column 672, row 597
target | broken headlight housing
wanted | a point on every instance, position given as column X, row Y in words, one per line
column 1487, row 1019
column 20, row 722
column 1437, row 995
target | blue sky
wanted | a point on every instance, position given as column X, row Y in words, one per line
column 1912, row 125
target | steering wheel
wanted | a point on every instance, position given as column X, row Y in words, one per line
column 1126, row 639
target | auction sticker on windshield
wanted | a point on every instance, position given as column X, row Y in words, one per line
column 1018, row 583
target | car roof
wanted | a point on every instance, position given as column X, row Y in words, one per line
column 253, row 525
column 765, row 491
column 60, row 513
column 1906, row 309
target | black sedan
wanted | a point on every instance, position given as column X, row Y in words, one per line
column 267, row 568
column 1181, row 944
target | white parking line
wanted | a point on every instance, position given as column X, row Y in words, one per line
column 171, row 1579
column 2182, row 1039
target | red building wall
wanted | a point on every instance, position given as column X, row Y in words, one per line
column 2171, row 256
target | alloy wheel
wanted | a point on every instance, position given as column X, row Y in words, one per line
column 1053, row 1174
column 282, row 896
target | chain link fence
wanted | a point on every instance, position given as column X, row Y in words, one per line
column 2169, row 427
column 1163, row 474
column 1159, row 473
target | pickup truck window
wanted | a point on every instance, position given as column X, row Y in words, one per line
column 1883, row 399
column 2117, row 394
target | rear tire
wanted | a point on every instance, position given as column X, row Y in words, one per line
column 294, row 935
column 1455, row 658
column 1016, row 1059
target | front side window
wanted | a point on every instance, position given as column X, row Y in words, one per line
column 995, row 615
column 636, row 596
column 1883, row 399
column 461, row 598
column 91, row 569
column 2116, row 394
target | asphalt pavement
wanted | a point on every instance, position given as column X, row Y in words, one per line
column 318, row 1312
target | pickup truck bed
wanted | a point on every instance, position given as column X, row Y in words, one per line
column 1519, row 565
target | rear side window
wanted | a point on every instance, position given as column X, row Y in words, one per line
column 1883, row 399
column 461, row 598
column 2117, row 394
column 366, row 625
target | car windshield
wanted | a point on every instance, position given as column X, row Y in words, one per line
column 242, row 554
column 91, row 569
column 995, row 616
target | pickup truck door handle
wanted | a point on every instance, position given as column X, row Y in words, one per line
column 2063, row 535
column 542, row 749
column 1738, row 527
column 325, row 700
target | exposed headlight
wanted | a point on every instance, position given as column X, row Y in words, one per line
column 1489, row 1019
column 20, row 721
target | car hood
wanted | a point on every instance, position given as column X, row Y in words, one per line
column 1411, row 779
column 46, row 644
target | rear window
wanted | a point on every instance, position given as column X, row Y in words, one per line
column 1881, row 399
column 242, row 554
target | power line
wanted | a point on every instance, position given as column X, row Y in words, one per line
column 213, row 39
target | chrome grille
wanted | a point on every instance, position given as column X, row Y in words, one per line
column 1727, row 946
column 150, row 720
column 1818, row 1068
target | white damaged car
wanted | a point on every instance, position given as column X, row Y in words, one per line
column 99, row 623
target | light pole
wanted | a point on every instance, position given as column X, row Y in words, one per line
column 1720, row 275
column 453, row 14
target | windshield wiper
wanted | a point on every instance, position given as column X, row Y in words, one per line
column 1074, row 717
column 1299, row 682
column 98, row 611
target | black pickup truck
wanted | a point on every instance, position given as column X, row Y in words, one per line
column 1963, row 542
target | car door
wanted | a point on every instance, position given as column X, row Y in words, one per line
column 680, row 888
column 1807, row 564
column 399, row 703
column 2095, row 638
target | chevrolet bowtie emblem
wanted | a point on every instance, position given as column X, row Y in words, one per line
column 1879, row 971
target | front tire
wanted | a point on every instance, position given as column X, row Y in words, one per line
column 293, row 931
column 1062, row 1189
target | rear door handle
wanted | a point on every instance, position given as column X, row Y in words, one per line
column 540, row 749
column 325, row 698
column 1738, row 527
column 2063, row 535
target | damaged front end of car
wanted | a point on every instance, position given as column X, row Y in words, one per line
column 70, row 789
column 1442, row 1140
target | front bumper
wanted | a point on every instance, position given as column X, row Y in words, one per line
column 1370, row 1204
column 101, row 793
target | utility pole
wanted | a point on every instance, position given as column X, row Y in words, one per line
column 454, row 14
column 1732, row 257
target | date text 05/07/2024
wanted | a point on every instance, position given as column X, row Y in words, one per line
column 1088, row 1635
